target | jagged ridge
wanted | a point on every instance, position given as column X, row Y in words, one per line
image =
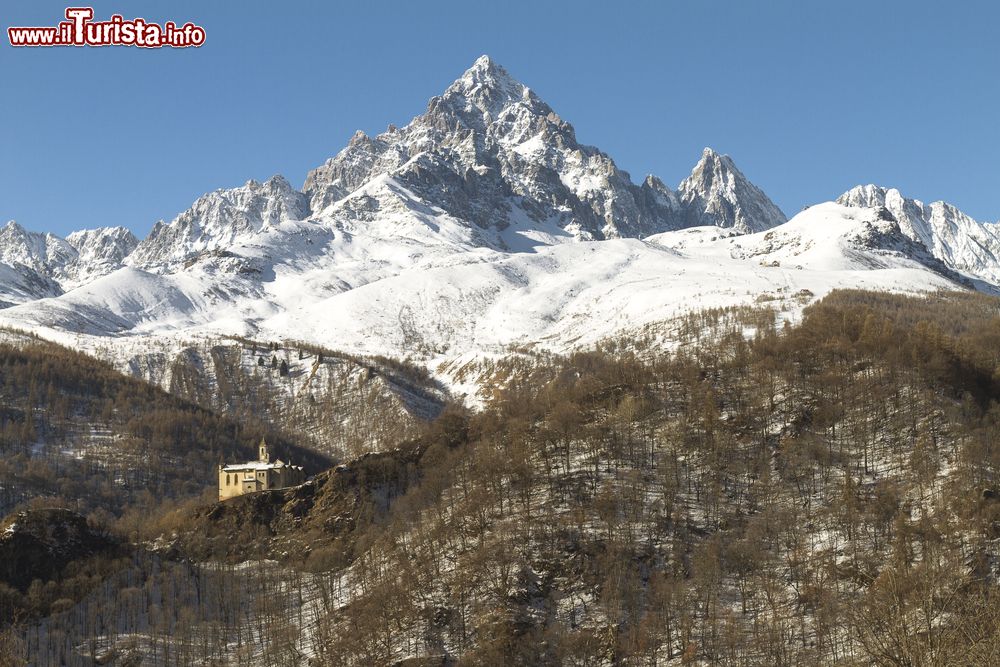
column 488, row 152
column 949, row 234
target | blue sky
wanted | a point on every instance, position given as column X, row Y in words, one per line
column 810, row 98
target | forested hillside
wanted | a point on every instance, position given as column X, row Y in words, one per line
column 817, row 493
column 334, row 403
column 75, row 432
column 820, row 494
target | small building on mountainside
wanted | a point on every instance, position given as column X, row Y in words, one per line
column 236, row 479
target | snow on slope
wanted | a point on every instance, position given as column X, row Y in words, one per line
column 34, row 265
column 220, row 219
column 571, row 294
column 482, row 224
column 488, row 159
column 424, row 289
column 28, row 261
column 98, row 253
column 114, row 304
column 41, row 252
column 19, row 284
column 951, row 235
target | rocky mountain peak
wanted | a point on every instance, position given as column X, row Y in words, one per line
column 48, row 265
column 953, row 237
column 717, row 193
column 488, row 153
column 864, row 196
column 218, row 219
column 489, row 150
column 120, row 238
column 40, row 252
column 98, row 253
column 486, row 87
column 484, row 73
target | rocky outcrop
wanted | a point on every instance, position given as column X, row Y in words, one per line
column 319, row 520
column 218, row 220
column 949, row 234
column 718, row 194
column 99, row 252
column 39, row 544
column 35, row 265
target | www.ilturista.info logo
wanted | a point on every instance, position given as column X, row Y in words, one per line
column 80, row 30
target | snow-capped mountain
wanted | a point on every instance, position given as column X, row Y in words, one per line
column 220, row 219
column 479, row 225
column 717, row 193
column 41, row 252
column 98, row 252
column 408, row 290
column 951, row 235
column 488, row 153
column 35, row 265
column 28, row 261
column 489, row 150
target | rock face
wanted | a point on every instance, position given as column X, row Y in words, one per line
column 376, row 404
column 43, row 253
column 489, row 149
column 951, row 236
column 99, row 252
column 318, row 520
column 218, row 219
column 35, row 266
column 106, row 245
column 718, row 194
column 29, row 262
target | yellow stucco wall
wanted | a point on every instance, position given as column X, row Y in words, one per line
column 231, row 483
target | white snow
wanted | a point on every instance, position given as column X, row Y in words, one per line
column 422, row 285
column 467, row 232
column 952, row 236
